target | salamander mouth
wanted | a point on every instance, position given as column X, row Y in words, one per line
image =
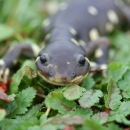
column 61, row 82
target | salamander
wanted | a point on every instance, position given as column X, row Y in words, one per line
column 75, row 34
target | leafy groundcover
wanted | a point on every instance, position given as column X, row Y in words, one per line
column 90, row 105
column 29, row 103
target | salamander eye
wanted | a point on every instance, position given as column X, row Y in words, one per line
column 81, row 59
column 44, row 58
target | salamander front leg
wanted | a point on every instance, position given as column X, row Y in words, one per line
column 100, row 49
column 8, row 61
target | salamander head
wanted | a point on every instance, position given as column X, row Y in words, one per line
column 62, row 66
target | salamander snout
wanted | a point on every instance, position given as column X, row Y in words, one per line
column 64, row 69
column 73, row 74
column 51, row 72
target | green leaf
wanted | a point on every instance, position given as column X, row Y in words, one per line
column 112, row 99
column 120, row 113
column 73, row 92
column 43, row 118
column 121, row 53
column 23, row 100
column 15, row 124
column 124, row 85
column 101, row 117
column 65, row 119
column 2, row 114
column 12, row 97
column 17, row 77
column 89, row 98
column 6, row 32
column 35, row 128
column 27, row 123
column 117, row 70
column 46, row 127
column 84, row 113
column 30, row 68
column 31, row 113
column 56, row 101
column 6, row 124
column 88, row 82
column 113, row 126
column 92, row 125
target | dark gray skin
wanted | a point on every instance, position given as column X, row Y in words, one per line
column 63, row 50
column 64, row 63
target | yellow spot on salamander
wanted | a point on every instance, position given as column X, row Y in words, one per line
column 75, row 42
column 68, row 63
column 93, row 34
column 82, row 43
column 46, row 22
column 109, row 27
column 92, row 10
column 93, row 64
column 98, row 53
column 47, row 36
column 112, row 16
column 103, row 66
column 73, row 31
column 2, row 62
column 6, row 74
column 35, row 49
column 15, row 61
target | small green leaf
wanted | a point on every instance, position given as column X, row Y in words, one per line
column 112, row 99
column 89, row 98
column 2, row 114
column 30, row 68
column 56, row 101
column 46, row 127
column 6, row 124
column 43, row 118
column 113, row 126
column 65, row 119
column 17, row 77
column 88, row 82
column 27, row 123
column 93, row 125
column 84, row 113
column 73, row 92
column 124, row 85
column 35, row 128
column 23, row 100
column 6, row 32
column 120, row 113
column 117, row 70
column 31, row 113
column 101, row 117
column 17, row 124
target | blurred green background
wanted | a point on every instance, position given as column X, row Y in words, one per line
column 21, row 20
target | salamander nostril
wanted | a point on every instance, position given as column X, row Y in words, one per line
column 73, row 74
column 51, row 73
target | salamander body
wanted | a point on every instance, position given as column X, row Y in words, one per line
column 74, row 35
